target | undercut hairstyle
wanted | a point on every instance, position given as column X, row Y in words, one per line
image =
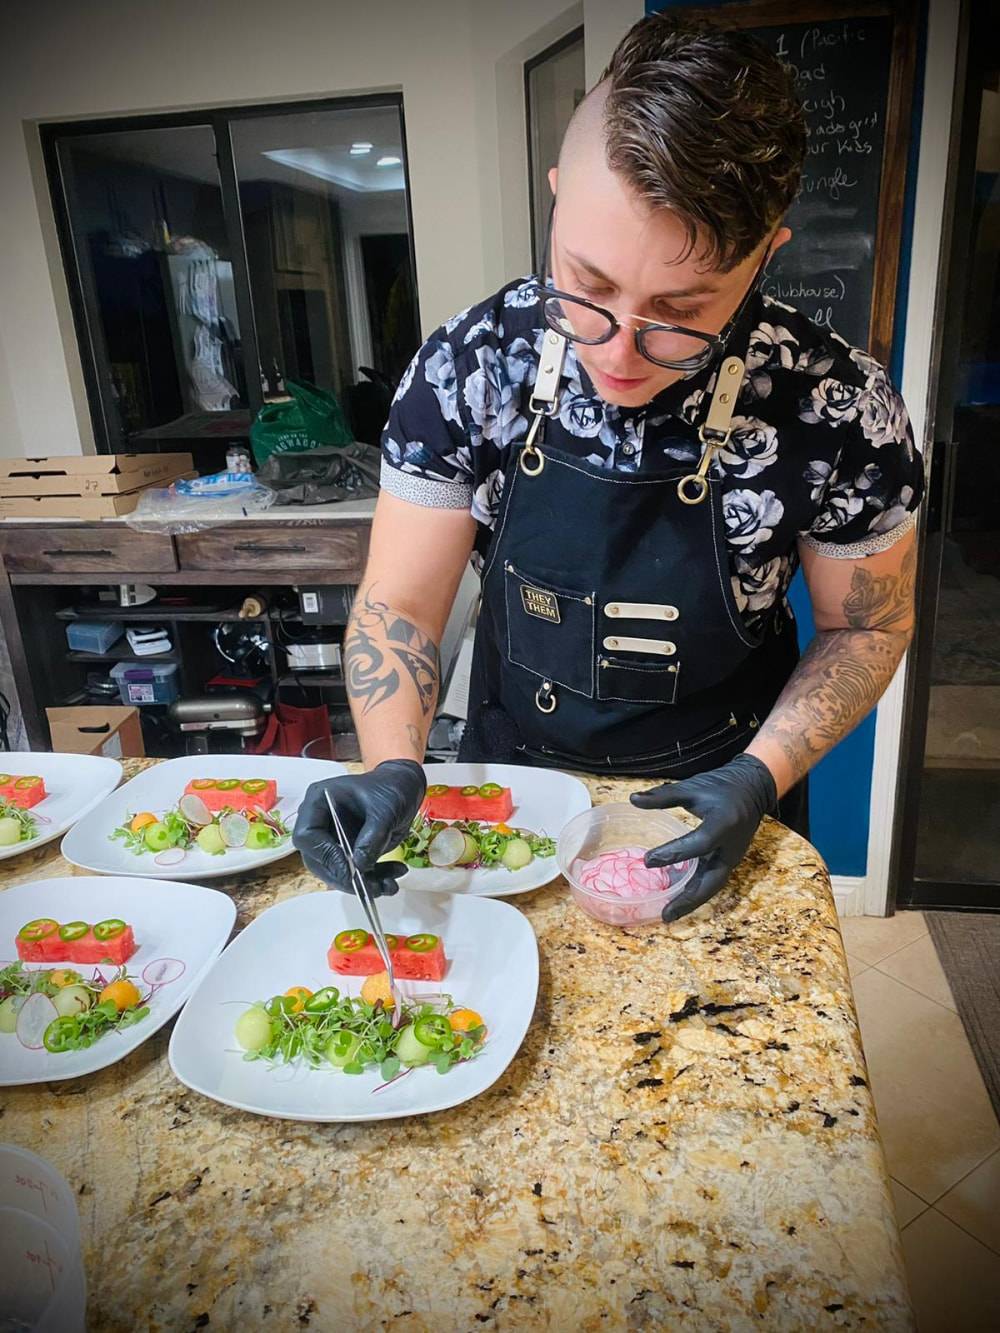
column 705, row 122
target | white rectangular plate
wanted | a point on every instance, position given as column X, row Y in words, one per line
column 75, row 784
column 182, row 921
column 158, row 789
column 545, row 800
column 493, row 968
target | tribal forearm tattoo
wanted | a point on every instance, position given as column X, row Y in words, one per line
column 844, row 672
column 378, row 643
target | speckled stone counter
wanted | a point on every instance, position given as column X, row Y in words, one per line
column 686, row 1139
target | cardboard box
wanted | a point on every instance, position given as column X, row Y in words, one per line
column 91, row 474
column 112, row 731
column 76, row 506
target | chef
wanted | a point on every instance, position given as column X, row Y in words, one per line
column 639, row 449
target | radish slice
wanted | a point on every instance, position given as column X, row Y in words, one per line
column 161, row 971
column 33, row 1018
column 42, row 819
column 446, row 848
column 171, row 857
column 234, row 830
column 194, row 809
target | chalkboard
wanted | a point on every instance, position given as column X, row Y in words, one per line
column 827, row 270
column 854, row 63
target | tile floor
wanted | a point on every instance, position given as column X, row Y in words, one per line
column 941, row 1137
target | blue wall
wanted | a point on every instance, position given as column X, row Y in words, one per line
column 840, row 786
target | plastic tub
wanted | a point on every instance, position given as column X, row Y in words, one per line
column 148, row 683
column 93, row 636
column 42, row 1287
column 608, row 828
column 42, row 1282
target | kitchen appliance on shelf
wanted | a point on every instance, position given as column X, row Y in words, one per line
column 218, row 723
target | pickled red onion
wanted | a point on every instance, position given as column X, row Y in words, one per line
column 623, row 873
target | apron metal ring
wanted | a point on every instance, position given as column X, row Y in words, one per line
column 545, row 693
column 700, row 486
column 539, row 464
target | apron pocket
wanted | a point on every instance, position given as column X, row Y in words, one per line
column 632, row 681
column 550, row 630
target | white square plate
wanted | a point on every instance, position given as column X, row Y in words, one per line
column 493, row 968
column 75, row 784
column 545, row 800
column 178, row 921
column 159, row 788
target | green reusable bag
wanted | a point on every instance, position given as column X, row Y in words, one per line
column 313, row 419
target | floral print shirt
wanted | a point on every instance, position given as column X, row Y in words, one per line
column 821, row 449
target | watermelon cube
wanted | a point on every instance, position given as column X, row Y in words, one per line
column 25, row 792
column 351, row 957
column 249, row 794
column 89, row 949
column 450, row 803
column 419, row 958
column 38, row 942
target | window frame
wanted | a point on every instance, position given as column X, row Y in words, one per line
column 553, row 49
column 86, row 318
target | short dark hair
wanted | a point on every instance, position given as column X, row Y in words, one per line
column 705, row 122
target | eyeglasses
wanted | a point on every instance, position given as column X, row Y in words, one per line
column 668, row 345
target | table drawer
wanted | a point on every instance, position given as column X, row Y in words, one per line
column 85, row 550
column 338, row 549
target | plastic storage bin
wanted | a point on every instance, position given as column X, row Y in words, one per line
column 146, row 683
column 42, row 1281
column 93, row 636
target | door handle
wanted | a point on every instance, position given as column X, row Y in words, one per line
column 263, row 548
column 86, row 551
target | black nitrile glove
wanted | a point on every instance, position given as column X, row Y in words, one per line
column 376, row 810
column 730, row 801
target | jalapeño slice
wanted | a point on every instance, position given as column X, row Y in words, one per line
column 432, row 1030
column 254, row 786
column 322, row 1000
column 350, row 941
column 470, row 791
column 204, row 784
column 438, row 789
column 25, row 784
column 110, row 929
column 392, row 942
column 421, row 943
column 40, row 929
column 5, row 778
column 73, row 930
column 227, row 784
column 59, row 1034
column 490, row 789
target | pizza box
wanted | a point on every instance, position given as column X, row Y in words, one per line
column 74, row 506
column 90, row 474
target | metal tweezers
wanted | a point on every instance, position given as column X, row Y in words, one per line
column 367, row 902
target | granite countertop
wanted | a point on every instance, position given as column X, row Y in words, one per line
column 685, row 1139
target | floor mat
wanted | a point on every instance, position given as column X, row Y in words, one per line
column 968, row 945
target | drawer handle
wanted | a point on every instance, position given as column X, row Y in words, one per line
column 87, row 551
column 263, row 548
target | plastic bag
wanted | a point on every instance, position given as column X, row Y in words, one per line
column 189, row 506
column 312, row 419
column 321, row 476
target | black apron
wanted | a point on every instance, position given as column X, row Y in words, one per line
column 609, row 639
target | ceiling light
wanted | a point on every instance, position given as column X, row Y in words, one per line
column 389, row 161
column 360, row 149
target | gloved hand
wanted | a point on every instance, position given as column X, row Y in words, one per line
column 730, row 801
column 376, row 810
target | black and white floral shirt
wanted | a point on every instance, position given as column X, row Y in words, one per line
column 821, row 449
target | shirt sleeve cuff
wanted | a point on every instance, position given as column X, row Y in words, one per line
column 420, row 490
column 874, row 544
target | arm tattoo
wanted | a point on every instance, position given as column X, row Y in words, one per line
column 844, row 672
column 377, row 639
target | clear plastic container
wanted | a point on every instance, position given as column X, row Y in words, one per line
column 93, row 636
column 608, row 828
column 148, row 683
column 42, row 1282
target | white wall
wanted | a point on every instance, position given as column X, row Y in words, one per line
column 455, row 62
